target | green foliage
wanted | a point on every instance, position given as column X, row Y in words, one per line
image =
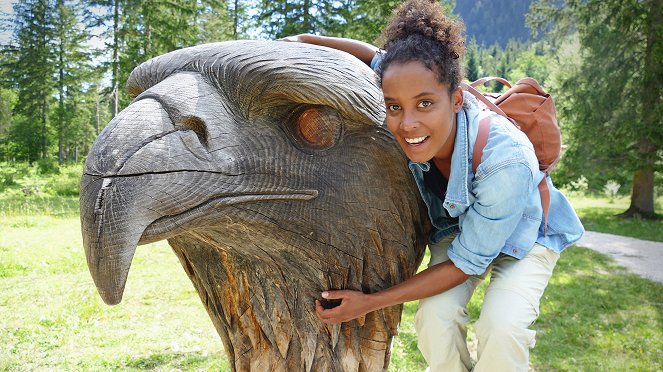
column 514, row 62
column 73, row 69
column 31, row 69
column 48, row 166
column 8, row 176
column 44, row 188
column 7, row 102
column 609, row 102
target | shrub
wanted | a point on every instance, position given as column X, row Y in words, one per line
column 579, row 187
column 67, row 182
column 48, row 166
column 610, row 189
column 7, row 177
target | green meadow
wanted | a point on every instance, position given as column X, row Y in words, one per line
column 595, row 315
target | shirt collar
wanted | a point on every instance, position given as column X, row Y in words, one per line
column 457, row 189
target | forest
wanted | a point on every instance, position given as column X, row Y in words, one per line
column 64, row 64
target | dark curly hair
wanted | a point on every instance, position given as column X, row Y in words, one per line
column 420, row 31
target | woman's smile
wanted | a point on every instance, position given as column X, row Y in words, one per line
column 421, row 111
column 416, row 140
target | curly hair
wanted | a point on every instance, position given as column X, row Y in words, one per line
column 420, row 31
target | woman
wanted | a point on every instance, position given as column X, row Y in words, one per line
column 488, row 222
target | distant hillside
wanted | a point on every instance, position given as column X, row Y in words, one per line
column 491, row 21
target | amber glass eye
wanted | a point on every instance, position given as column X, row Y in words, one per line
column 318, row 128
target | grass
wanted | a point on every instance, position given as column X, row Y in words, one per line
column 53, row 317
column 595, row 316
column 598, row 214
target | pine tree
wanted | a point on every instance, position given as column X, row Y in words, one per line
column 611, row 100
column 72, row 66
column 473, row 69
column 221, row 20
column 31, row 72
column 109, row 17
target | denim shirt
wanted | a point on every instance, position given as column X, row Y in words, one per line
column 498, row 209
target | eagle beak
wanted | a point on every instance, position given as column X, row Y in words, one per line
column 115, row 209
column 109, row 247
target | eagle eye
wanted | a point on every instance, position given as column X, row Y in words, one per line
column 319, row 128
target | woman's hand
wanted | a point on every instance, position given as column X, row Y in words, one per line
column 353, row 305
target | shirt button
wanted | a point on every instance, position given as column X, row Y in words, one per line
column 452, row 206
column 515, row 250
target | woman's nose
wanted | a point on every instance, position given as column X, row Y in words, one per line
column 409, row 121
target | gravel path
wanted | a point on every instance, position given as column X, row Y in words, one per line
column 642, row 257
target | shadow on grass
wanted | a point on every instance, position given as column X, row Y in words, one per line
column 596, row 316
column 605, row 220
column 185, row 361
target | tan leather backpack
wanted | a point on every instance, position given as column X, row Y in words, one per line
column 530, row 109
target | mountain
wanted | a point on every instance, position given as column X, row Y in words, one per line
column 494, row 21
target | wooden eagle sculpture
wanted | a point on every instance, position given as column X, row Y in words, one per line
column 267, row 168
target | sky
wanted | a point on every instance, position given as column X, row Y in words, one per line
column 5, row 7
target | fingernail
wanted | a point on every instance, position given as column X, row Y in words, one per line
column 325, row 294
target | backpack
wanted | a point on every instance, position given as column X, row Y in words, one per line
column 530, row 109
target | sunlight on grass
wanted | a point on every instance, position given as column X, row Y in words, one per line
column 54, row 318
column 599, row 214
column 597, row 317
column 594, row 315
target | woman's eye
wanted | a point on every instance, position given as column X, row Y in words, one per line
column 393, row 107
column 423, row 104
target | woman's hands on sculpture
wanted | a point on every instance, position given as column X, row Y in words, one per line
column 353, row 305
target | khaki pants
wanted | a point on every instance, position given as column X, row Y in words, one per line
column 510, row 306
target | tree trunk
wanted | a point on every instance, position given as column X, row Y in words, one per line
column 236, row 19
column 115, row 93
column 307, row 20
column 97, row 124
column 44, row 107
column 642, row 196
column 61, row 114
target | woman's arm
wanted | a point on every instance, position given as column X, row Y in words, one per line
column 364, row 51
column 436, row 279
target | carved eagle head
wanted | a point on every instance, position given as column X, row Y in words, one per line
column 267, row 168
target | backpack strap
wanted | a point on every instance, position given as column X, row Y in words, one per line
column 488, row 79
column 545, row 201
column 480, row 143
column 477, row 152
column 490, row 105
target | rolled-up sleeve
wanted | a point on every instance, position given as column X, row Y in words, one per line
column 377, row 58
column 492, row 218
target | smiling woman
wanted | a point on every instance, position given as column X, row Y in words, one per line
column 421, row 113
column 486, row 220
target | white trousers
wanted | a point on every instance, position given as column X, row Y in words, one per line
column 510, row 306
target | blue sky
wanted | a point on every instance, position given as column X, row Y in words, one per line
column 5, row 7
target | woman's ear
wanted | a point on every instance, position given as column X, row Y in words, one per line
column 457, row 99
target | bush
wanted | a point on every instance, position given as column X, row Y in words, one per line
column 611, row 189
column 67, row 182
column 48, row 166
column 7, row 177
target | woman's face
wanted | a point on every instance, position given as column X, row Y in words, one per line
column 421, row 113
